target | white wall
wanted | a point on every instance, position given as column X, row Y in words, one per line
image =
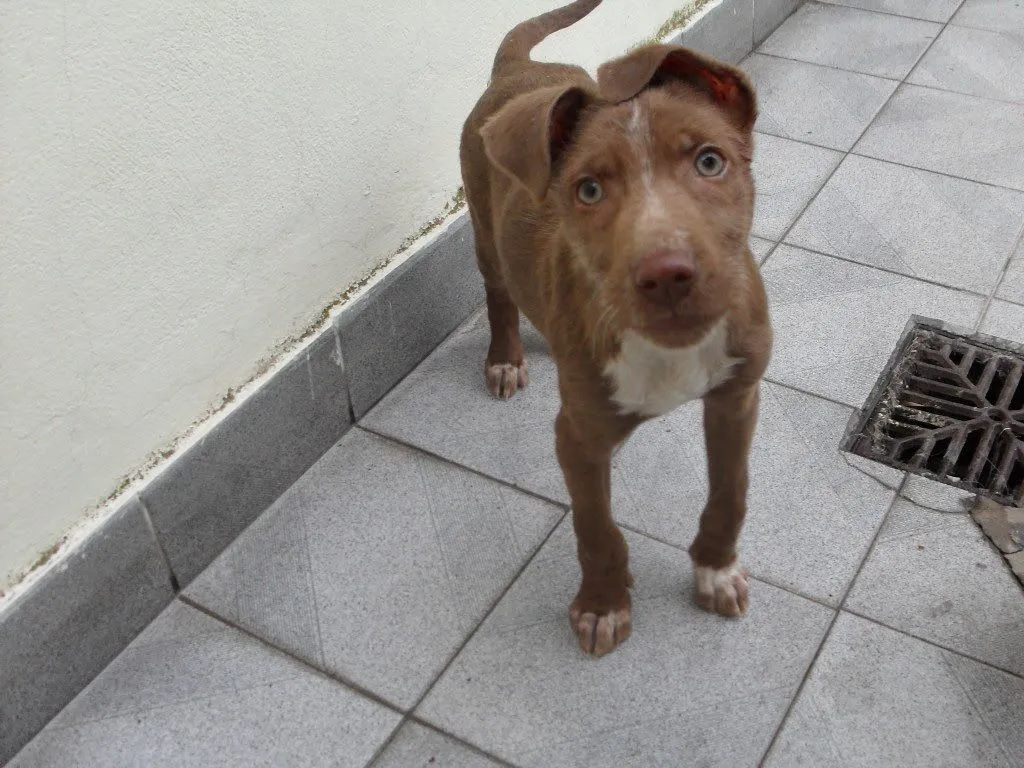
column 184, row 187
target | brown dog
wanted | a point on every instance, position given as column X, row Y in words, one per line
column 616, row 215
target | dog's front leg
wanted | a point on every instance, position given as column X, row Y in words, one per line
column 600, row 614
column 730, row 416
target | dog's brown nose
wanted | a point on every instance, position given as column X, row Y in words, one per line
column 665, row 277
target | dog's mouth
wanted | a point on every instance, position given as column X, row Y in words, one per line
column 674, row 326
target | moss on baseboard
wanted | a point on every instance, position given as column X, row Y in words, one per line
column 676, row 21
column 44, row 556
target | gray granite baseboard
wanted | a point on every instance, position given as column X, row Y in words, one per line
column 64, row 630
column 397, row 323
column 769, row 14
column 201, row 502
column 75, row 620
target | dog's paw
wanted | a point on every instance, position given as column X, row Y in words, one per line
column 600, row 632
column 505, row 379
column 722, row 590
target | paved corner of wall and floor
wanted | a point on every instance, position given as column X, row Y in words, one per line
column 185, row 186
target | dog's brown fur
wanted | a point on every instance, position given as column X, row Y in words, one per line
column 537, row 131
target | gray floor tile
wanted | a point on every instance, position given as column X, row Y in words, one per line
column 974, row 61
column 659, row 488
column 760, row 248
column 686, row 682
column 950, row 133
column 418, row 747
column 948, row 230
column 769, row 14
column 836, row 323
column 445, row 407
column 77, row 617
column 852, row 39
column 998, row 15
column 934, row 574
column 879, row 698
column 787, row 174
column 377, row 564
column 1005, row 321
column 816, row 104
column 192, row 691
column 929, row 10
column 1012, row 286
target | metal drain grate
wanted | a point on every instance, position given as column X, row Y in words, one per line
column 949, row 406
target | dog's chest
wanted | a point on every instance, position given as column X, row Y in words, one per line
column 651, row 380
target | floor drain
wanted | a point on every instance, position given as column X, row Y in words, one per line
column 948, row 406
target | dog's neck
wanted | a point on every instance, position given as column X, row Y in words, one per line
column 649, row 380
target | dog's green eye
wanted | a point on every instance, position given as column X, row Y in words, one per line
column 710, row 162
column 589, row 191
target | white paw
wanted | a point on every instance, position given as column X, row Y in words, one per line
column 599, row 634
column 505, row 379
column 722, row 590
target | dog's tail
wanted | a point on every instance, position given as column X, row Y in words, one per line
column 518, row 43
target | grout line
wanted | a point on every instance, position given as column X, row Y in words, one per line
column 853, row 152
column 773, row 245
column 426, row 451
column 887, row 270
column 969, row 95
column 842, row 4
column 900, row 490
column 408, row 716
column 885, row 160
column 934, row 644
column 832, row 67
column 472, row 633
column 333, row 676
column 175, row 584
column 999, row 283
column 384, row 745
column 752, row 574
column 807, row 392
column 828, row 631
column 462, row 742
column 806, row 142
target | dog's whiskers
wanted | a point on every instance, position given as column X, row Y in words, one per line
column 606, row 321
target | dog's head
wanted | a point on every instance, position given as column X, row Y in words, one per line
column 649, row 180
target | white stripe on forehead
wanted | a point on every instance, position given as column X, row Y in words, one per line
column 640, row 140
column 653, row 228
column 638, row 121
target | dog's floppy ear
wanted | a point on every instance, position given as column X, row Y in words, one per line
column 623, row 78
column 525, row 138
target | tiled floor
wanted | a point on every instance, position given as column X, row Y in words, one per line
column 404, row 604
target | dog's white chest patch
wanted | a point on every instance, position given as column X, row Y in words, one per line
column 650, row 380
